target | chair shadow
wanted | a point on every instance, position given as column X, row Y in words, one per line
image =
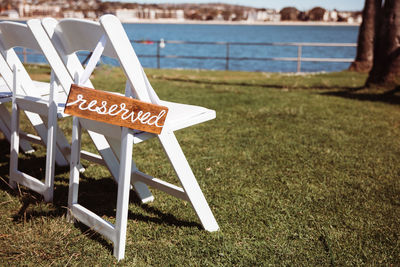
column 390, row 97
column 98, row 195
column 92, row 197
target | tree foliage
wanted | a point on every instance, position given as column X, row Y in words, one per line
column 317, row 13
column 289, row 13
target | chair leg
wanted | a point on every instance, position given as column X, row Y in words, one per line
column 188, row 181
column 61, row 154
column 75, row 163
column 123, row 192
column 51, row 150
column 14, row 146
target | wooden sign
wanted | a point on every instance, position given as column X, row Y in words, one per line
column 115, row 109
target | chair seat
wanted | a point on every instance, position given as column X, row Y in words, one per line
column 5, row 93
column 183, row 115
column 40, row 105
column 42, row 89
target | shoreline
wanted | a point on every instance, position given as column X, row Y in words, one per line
column 215, row 22
column 261, row 23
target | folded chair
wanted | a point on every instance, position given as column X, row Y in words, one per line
column 34, row 98
column 39, row 102
column 72, row 35
column 17, row 35
column 42, row 102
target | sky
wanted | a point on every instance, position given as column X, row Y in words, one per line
column 348, row 5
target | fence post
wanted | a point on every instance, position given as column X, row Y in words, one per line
column 25, row 56
column 227, row 57
column 299, row 58
column 158, row 54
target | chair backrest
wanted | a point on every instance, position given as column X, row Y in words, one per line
column 72, row 35
column 17, row 34
column 13, row 34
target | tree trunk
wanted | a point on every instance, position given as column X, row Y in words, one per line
column 387, row 46
column 365, row 43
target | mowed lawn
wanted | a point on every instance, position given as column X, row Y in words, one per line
column 299, row 170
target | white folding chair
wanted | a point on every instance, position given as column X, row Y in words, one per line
column 42, row 102
column 39, row 102
column 66, row 72
column 35, row 99
column 72, row 35
column 13, row 35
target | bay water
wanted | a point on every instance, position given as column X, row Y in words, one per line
column 243, row 34
column 147, row 50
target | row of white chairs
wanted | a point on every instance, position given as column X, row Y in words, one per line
column 43, row 104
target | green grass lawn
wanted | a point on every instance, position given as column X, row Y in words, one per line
column 298, row 170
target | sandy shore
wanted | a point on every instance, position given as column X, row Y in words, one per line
column 215, row 22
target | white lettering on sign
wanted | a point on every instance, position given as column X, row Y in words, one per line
column 114, row 110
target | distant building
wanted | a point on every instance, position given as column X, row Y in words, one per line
column 272, row 15
column 180, row 14
column 133, row 11
column 11, row 14
column 91, row 15
column 126, row 14
column 73, row 14
column 333, row 15
column 219, row 17
column 262, row 15
column 30, row 10
column 359, row 18
column 349, row 17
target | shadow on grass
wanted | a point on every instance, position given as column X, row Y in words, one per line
column 263, row 85
column 363, row 94
column 98, row 195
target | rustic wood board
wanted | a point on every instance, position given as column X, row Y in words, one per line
column 115, row 109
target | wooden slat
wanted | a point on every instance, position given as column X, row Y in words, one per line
column 31, row 138
column 97, row 127
column 29, row 181
column 164, row 186
column 93, row 221
column 92, row 157
column 33, row 104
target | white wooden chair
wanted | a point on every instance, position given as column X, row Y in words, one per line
column 34, row 98
column 39, row 102
column 42, row 102
column 72, row 35
column 69, row 69
column 13, row 35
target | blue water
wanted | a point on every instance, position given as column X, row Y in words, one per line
column 242, row 33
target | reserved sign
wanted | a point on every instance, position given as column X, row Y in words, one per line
column 115, row 109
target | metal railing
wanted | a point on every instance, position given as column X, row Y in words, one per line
column 228, row 58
